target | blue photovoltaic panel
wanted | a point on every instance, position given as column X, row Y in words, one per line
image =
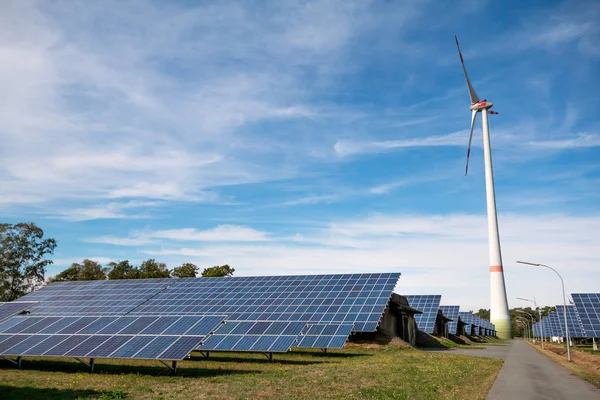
column 429, row 305
column 573, row 321
column 319, row 336
column 358, row 299
column 67, row 339
column 452, row 313
column 588, row 309
column 14, row 307
column 555, row 326
column 262, row 336
column 109, row 297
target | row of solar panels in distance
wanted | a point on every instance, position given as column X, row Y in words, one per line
column 14, row 307
column 157, row 325
column 452, row 313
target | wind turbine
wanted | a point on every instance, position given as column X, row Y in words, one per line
column 499, row 314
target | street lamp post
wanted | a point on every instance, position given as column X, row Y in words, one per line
column 540, row 314
column 523, row 320
column 525, row 326
column 530, row 316
column 564, row 302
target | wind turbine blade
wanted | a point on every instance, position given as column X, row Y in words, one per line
column 473, row 117
column 472, row 94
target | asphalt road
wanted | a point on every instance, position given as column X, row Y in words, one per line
column 528, row 374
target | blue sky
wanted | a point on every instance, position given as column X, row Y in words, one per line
column 307, row 137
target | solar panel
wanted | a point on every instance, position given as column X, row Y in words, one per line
column 429, row 305
column 588, row 308
column 554, row 324
column 452, row 313
column 66, row 339
column 261, row 336
column 320, row 336
column 108, row 297
column 14, row 307
column 573, row 321
column 358, row 299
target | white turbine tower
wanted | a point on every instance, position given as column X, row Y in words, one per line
column 499, row 314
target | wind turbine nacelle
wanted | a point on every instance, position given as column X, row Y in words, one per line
column 481, row 105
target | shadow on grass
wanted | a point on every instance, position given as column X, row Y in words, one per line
column 243, row 358
column 117, row 369
column 457, row 340
column 31, row 393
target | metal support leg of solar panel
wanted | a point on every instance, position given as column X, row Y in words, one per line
column 172, row 367
column 269, row 356
column 90, row 365
column 17, row 363
column 205, row 354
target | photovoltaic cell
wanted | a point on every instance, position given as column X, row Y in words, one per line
column 181, row 348
column 8, row 309
column 588, row 309
column 108, row 297
column 332, row 336
column 95, row 343
column 237, row 336
column 452, row 313
column 359, row 299
column 573, row 321
column 429, row 305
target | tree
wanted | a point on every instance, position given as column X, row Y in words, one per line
column 483, row 313
column 88, row 270
column 217, row 271
column 151, row 269
column 23, row 261
column 186, row 270
column 122, row 270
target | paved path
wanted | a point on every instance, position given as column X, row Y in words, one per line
column 528, row 374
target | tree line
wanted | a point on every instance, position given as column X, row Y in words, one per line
column 24, row 257
column 90, row 270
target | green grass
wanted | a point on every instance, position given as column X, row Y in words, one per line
column 386, row 372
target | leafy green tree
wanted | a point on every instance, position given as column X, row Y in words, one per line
column 218, row 271
column 88, row 270
column 186, row 270
column 122, row 270
column 152, row 269
column 23, row 251
column 483, row 313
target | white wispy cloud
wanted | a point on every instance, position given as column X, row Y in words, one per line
column 347, row 147
column 581, row 140
column 111, row 210
column 220, row 233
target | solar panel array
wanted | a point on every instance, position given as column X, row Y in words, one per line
column 452, row 313
column 330, row 336
column 588, row 309
column 555, row 327
column 158, row 337
column 261, row 336
column 108, row 297
column 429, row 305
column 13, row 308
column 573, row 321
column 358, row 299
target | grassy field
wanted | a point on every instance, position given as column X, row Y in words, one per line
column 356, row 372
